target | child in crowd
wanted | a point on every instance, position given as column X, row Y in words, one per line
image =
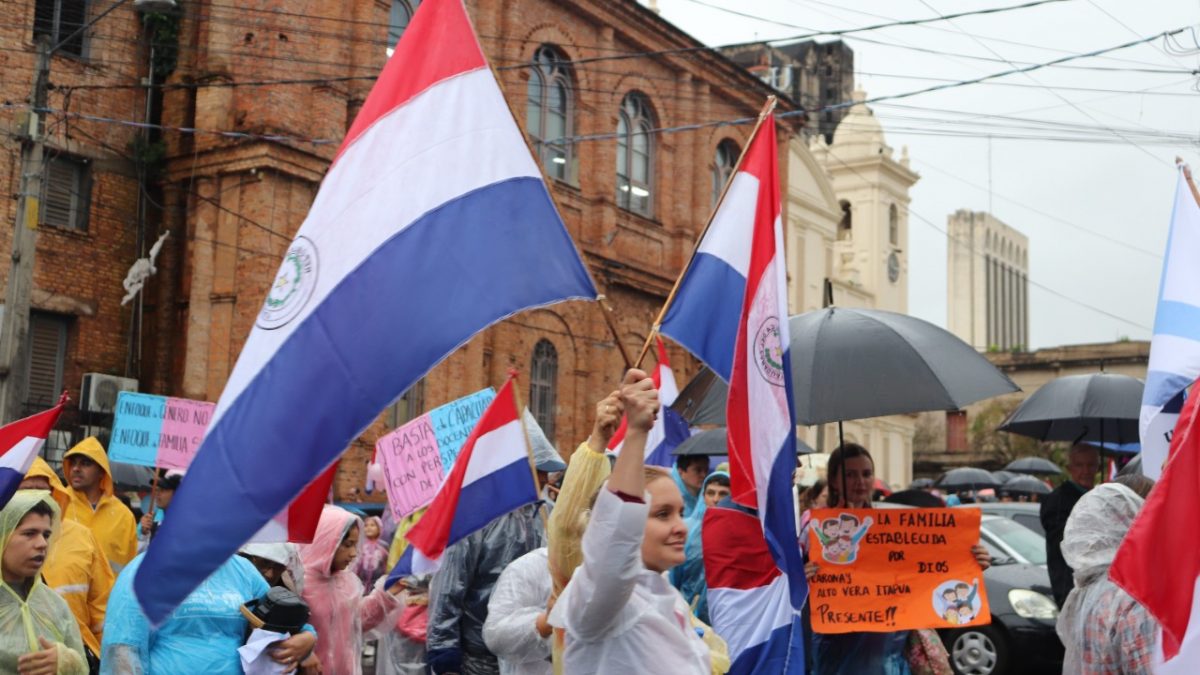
column 334, row 593
column 371, row 561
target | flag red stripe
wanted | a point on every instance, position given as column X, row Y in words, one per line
column 441, row 26
column 36, row 426
column 760, row 161
column 305, row 510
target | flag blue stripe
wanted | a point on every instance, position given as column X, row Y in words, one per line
column 10, row 480
column 779, row 526
column 1177, row 318
column 707, row 309
column 424, row 292
column 403, row 568
column 492, row 496
column 1161, row 387
column 782, row 652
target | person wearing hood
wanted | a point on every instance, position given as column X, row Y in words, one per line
column 75, row 567
column 38, row 634
column 1103, row 628
column 689, row 473
column 334, row 593
column 202, row 635
column 517, row 630
column 689, row 576
column 93, row 503
column 462, row 587
column 279, row 563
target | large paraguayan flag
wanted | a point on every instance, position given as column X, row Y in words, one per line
column 432, row 223
column 491, row 476
column 20, row 442
column 1175, row 347
column 760, row 419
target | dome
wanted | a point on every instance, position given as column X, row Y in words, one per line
column 860, row 133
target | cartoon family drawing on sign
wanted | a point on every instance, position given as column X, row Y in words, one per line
column 840, row 536
column 957, row 602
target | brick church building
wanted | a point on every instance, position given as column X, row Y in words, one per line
column 288, row 78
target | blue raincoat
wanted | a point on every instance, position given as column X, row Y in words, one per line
column 202, row 636
column 688, row 577
column 689, row 500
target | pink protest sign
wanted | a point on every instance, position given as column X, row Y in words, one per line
column 412, row 465
column 183, row 425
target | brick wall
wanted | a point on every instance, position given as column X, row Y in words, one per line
column 79, row 274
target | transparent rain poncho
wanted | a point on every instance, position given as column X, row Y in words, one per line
column 462, row 586
column 340, row 611
column 42, row 614
column 202, row 635
column 586, row 472
column 1097, row 612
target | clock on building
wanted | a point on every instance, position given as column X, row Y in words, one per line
column 893, row 264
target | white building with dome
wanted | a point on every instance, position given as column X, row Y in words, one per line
column 846, row 217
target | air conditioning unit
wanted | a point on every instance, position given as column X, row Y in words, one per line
column 99, row 391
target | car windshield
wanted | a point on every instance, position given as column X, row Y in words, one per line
column 1027, row 543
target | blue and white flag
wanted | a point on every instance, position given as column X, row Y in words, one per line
column 1175, row 347
column 432, row 223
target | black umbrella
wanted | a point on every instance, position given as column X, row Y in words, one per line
column 966, row 478
column 920, row 484
column 715, row 442
column 1026, row 485
column 131, row 476
column 1003, row 476
column 858, row 363
column 1034, row 466
column 1100, row 407
column 917, row 498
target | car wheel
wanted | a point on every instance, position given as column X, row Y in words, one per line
column 978, row 651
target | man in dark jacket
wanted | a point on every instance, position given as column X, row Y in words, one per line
column 1083, row 463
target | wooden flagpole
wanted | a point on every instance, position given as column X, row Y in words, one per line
column 763, row 115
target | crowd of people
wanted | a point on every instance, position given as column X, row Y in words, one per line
column 604, row 574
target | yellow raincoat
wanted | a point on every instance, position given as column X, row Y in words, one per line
column 75, row 567
column 42, row 614
column 111, row 521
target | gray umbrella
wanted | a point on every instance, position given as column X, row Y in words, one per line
column 858, row 363
column 131, row 476
column 966, row 478
column 1098, row 407
column 1026, row 485
column 920, row 484
column 1034, row 466
column 715, row 442
column 1004, row 475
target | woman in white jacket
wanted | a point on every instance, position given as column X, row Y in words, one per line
column 619, row 612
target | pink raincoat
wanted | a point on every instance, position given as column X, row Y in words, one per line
column 340, row 612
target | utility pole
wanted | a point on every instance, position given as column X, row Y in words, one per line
column 14, row 330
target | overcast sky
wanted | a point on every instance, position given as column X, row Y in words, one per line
column 1096, row 213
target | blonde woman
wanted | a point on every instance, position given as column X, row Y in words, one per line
column 619, row 612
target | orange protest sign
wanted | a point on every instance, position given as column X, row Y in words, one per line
column 884, row 570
